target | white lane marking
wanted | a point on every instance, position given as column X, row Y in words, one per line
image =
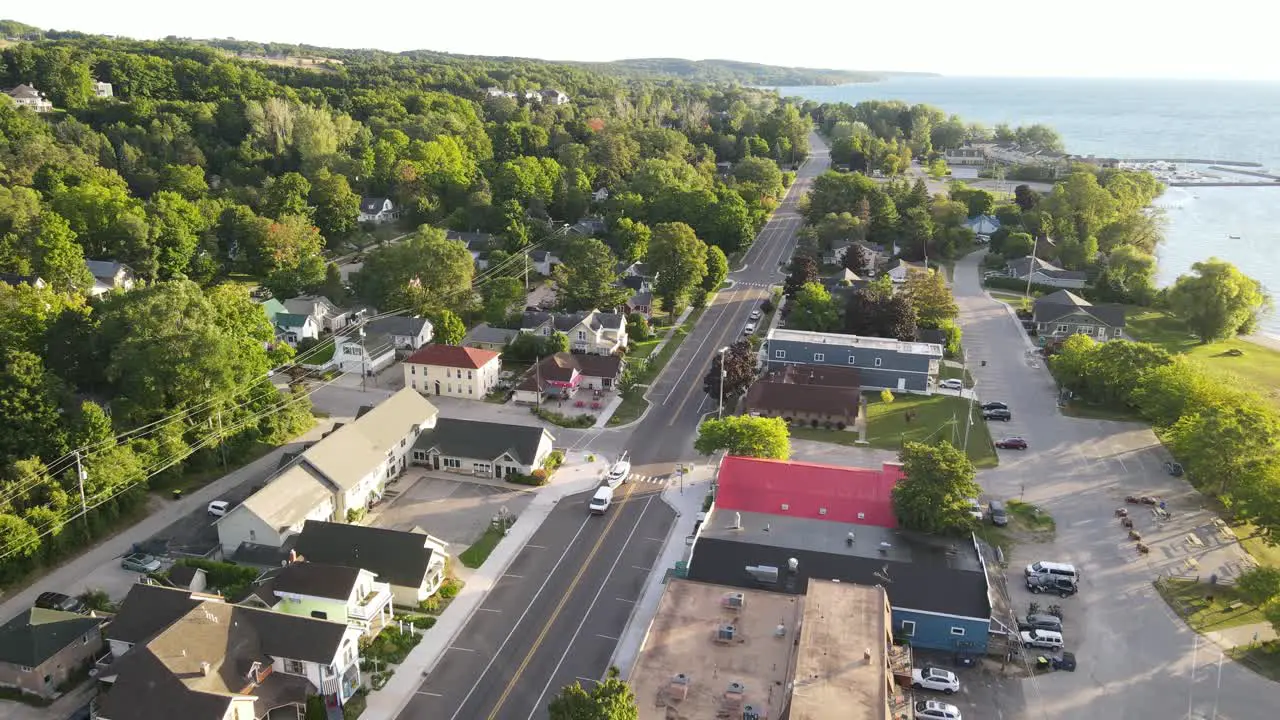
column 607, row 637
column 429, row 694
column 489, row 610
column 455, row 647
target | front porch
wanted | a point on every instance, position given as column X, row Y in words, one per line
column 372, row 612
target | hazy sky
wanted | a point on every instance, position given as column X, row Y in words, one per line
column 1228, row 39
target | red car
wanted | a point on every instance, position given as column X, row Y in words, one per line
column 1012, row 443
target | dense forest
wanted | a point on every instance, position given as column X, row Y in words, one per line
column 209, row 174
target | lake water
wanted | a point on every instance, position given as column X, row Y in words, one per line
column 1138, row 119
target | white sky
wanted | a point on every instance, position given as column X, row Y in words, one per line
column 1225, row 39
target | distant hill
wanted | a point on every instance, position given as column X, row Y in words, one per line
column 723, row 71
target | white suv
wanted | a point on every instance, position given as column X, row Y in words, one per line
column 934, row 710
column 932, row 678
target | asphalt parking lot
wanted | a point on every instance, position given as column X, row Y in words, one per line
column 985, row 691
column 455, row 511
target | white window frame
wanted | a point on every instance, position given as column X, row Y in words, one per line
column 295, row 667
column 1062, row 329
column 582, row 334
column 909, row 631
column 779, row 354
column 957, row 631
column 1084, row 329
column 1118, row 331
column 879, row 362
column 853, row 360
column 819, row 357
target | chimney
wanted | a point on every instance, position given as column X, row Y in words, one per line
column 293, row 556
column 205, row 668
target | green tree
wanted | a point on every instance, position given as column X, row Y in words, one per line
column 1073, row 362
column 874, row 313
column 608, row 700
column 746, row 436
column 185, row 180
column 934, row 496
column 293, row 256
column 630, row 239
column 1084, row 205
column 1025, row 198
column 680, row 260
column 501, row 296
column 930, row 298
column 717, row 269
column 17, row 538
column 813, row 309
column 917, row 232
column 1259, row 584
column 1229, row 444
column 446, row 327
column 56, row 256
column 758, row 179
column 176, row 224
column 287, row 194
column 587, row 277
column 938, row 168
column 804, row 271
column 29, row 403
column 1017, row 245
column 739, row 371
column 337, row 205
column 980, row 202
column 442, row 268
column 1217, row 301
column 1129, row 274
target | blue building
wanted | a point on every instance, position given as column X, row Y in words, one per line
column 939, row 592
column 880, row 362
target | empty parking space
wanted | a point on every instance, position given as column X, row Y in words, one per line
column 455, row 511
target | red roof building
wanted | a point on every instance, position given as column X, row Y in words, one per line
column 452, row 356
column 809, row 490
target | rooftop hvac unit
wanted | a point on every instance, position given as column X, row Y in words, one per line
column 679, row 679
column 725, row 633
column 763, row 573
column 736, row 688
column 734, row 600
column 749, row 712
column 793, row 564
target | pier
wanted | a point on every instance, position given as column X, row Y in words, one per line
column 1242, row 183
column 1193, row 161
column 1252, row 173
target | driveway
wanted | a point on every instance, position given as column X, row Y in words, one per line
column 455, row 511
column 1137, row 660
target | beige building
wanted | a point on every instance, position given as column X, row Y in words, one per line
column 463, row 372
column 719, row 651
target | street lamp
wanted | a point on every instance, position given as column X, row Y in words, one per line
column 720, row 408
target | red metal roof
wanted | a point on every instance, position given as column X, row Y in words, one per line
column 451, row 356
column 764, row 486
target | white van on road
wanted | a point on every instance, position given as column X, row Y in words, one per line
column 601, row 500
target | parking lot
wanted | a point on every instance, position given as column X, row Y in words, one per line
column 456, row 511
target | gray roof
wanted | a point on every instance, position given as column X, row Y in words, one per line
column 372, row 204
column 396, row 557
column 148, row 609
column 316, row 579
column 15, row 279
column 477, row 241
column 104, row 269
column 306, row 304
column 486, row 333
column 1063, row 303
column 37, row 634
column 564, row 322
column 396, row 325
column 485, row 441
column 1023, row 266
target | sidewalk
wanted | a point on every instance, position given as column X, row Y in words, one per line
column 687, row 504
column 1242, row 635
column 603, row 420
column 71, row 577
column 390, row 700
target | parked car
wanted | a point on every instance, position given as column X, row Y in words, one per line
column 218, row 508
column 750, row 328
column 1042, row 622
column 755, row 314
column 951, row 384
column 998, row 513
column 997, row 414
column 1173, row 468
column 933, row 678
column 140, row 562
column 975, row 509
column 1012, row 443
column 1047, row 639
column 1063, row 586
column 934, row 710
column 59, row 601
column 994, row 405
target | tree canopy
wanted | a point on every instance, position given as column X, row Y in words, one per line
column 746, row 436
column 934, row 497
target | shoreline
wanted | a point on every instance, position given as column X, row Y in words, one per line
column 1266, row 340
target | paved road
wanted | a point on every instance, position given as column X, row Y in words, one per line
column 1136, row 659
column 555, row 618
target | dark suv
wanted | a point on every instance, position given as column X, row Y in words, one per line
column 1063, row 586
column 59, row 601
column 1041, row 622
column 997, row 414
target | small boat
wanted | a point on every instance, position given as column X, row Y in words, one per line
column 1233, row 237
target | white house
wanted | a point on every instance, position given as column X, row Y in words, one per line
column 109, row 275
column 483, row 449
column 412, row 562
column 592, row 332
column 330, row 592
column 965, row 156
column 377, row 210
column 363, row 353
column 543, row 261
column 600, row 194
column 328, row 316
column 179, row 653
column 553, row 97
column 406, row 333
column 103, row 90
column 29, row 97
column 293, row 328
column 337, row 478
column 464, row 372
column 1045, row 273
column 899, row 269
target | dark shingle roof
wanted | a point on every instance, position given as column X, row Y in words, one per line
column 15, row 279
column 147, row 610
column 807, row 388
column 315, row 579
column 482, row 440
column 561, row 366
column 1062, row 303
column 394, row 325
column 182, row 575
column 37, row 634
column 396, row 557
column 372, row 204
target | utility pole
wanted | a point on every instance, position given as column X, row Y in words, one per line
column 964, row 373
column 222, row 441
column 720, row 407
column 1035, row 245
column 525, row 252
column 81, row 476
column 364, row 363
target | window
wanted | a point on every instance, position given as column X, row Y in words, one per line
column 294, row 667
column 957, row 631
column 419, row 456
column 582, row 334
column 1118, row 331
column 1062, row 329
column 468, row 374
column 403, row 441
column 546, row 331
column 413, row 369
column 449, row 388
column 319, row 614
column 879, row 362
column 1102, row 331
column 819, row 357
column 453, row 463
column 779, row 354
column 481, row 468
column 852, row 360
column 1085, row 329
column 909, row 628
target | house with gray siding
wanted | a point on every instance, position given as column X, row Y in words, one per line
column 1060, row 315
column 881, row 362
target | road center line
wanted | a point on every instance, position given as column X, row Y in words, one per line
column 429, row 694
column 537, row 705
column 507, row 639
column 724, row 308
column 488, row 610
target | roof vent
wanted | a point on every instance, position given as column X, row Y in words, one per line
column 780, row 631
column 785, row 507
column 205, row 668
column 734, row 600
column 822, row 511
column 680, row 679
column 725, row 633
column 793, row 564
column 736, row 688
column 749, row 712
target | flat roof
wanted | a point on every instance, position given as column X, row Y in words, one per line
column 859, row 341
column 683, row 668
column 834, row 677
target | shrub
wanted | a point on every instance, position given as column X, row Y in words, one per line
column 449, row 588
column 584, row 420
column 886, row 396
column 355, row 515
column 530, row 480
column 430, row 605
column 231, row 579
column 553, row 461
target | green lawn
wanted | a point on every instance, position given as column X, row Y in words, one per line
column 1255, row 545
column 1027, row 523
column 1190, row 600
column 318, row 355
column 946, row 372
column 1260, row 365
column 1263, row 658
column 474, row 556
column 934, row 417
column 1017, row 300
column 1099, row 412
